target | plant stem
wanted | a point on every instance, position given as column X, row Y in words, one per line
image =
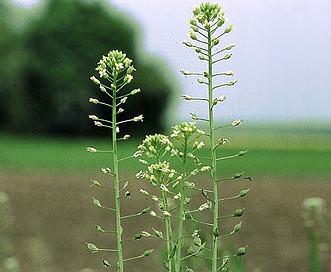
column 117, row 185
column 168, row 232
column 213, row 152
column 314, row 250
column 181, row 211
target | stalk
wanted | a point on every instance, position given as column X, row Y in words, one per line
column 213, row 152
column 117, row 185
column 181, row 212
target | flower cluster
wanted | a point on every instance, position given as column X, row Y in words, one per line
column 114, row 63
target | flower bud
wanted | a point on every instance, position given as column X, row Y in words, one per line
column 188, row 44
column 135, row 91
column 93, row 117
column 228, row 29
column 126, row 137
column 227, row 56
column 103, row 89
column 184, row 72
column 187, row 97
column 123, row 100
column 236, row 122
column 232, row 82
column 192, row 35
column 229, row 47
column 166, row 213
column 91, row 149
column 94, row 100
column 95, row 80
column 130, row 70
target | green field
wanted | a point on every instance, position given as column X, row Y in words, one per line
column 300, row 152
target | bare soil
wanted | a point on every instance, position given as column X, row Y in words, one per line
column 52, row 216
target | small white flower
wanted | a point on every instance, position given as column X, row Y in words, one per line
column 144, row 192
column 222, row 98
column 106, row 170
column 126, row 137
column 164, row 188
column 95, row 80
column 200, row 145
column 166, row 213
column 204, row 206
column 146, row 234
column 178, row 196
column 155, row 198
column 138, row 118
column 93, row 117
column 135, row 91
column 98, row 124
column 152, row 213
column 94, row 100
column 91, row 149
column 138, row 154
column 205, row 168
column 123, row 100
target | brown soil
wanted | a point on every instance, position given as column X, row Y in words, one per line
column 52, row 217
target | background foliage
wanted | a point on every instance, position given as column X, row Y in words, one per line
column 46, row 65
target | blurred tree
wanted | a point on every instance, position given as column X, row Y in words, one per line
column 61, row 47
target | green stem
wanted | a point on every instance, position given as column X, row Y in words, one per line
column 168, row 232
column 181, row 211
column 313, row 250
column 117, row 186
column 213, row 153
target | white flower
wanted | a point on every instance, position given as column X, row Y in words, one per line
column 144, row 192
column 222, row 98
column 204, row 206
column 155, row 198
column 91, row 149
column 152, row 213
column 166, row 213
column 93, row 117
column 138, row 118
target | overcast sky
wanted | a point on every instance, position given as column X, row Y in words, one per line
column 282, row 57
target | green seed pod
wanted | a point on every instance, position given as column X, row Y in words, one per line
column 145, row 210
column 92, row 247
column 147, row 252
column 238, row 212
column 237, row 175
column 99, row 229
column 137, row 236
column 106, row 263
column 242, row 153
column 237, row 227
column 241, row 251
column 243, row 193
column 97, row 203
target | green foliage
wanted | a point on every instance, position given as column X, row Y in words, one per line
column 48, row 89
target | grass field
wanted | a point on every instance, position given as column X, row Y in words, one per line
column 301, row 152
column 47, row 181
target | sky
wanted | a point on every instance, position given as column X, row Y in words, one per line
column 282, row 58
